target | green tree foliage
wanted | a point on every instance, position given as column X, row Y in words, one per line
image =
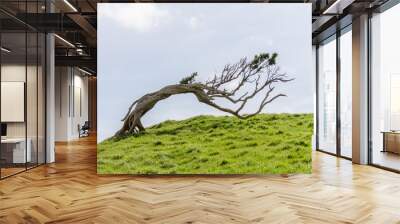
column 189, row 79
column 263, row 57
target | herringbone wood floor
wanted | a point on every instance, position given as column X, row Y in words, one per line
column 69, row 191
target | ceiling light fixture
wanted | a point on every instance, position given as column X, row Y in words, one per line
column 70, row 5
column 326, row 11
column 5, row 50
column 80, row 51
column 64, row 40
column 337, row 7
column 84, row 71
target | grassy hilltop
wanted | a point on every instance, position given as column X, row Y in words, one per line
column 266, row 143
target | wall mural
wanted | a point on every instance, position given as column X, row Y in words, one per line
column 204, row 89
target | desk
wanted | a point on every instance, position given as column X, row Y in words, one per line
column 13, row 150
column 391, row 141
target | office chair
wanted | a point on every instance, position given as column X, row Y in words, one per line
column 84, row 130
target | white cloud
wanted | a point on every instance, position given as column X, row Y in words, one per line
column 142, row 17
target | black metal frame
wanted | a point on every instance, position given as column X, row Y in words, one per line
column 369, row 90
column 316, row 97
column 44, row 80
column 0, row 87
column 338, row 91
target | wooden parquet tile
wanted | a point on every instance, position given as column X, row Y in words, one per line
column 70, row 191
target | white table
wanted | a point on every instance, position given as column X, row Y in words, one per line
column 19, row 153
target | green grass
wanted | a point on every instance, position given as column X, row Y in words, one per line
column 266, row 143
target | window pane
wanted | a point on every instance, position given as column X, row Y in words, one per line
column 31, row 97
column 386, row 89
column 346, row 93
column 327, row 96
column 41, row 99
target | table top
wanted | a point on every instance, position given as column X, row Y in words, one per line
column 391, row 132
column 13, row 140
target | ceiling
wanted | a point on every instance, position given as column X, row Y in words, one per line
column 75, row 21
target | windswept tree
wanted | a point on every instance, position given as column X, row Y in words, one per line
column 237, row 83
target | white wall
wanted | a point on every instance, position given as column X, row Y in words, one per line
column 70, row 83
column 79, row 117
column 62, row 81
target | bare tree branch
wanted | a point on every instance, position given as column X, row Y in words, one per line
column 254, row 76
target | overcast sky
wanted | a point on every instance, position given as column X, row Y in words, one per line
column 143, row 47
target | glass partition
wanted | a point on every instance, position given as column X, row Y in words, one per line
column 327, row 95
column 22, row 100
column 14, row 153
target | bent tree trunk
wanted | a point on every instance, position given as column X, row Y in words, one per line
column 260, row 73
column 132, row 120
